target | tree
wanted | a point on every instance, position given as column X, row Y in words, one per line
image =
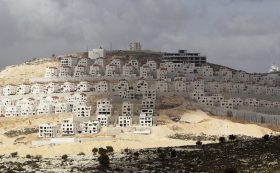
column 14, row 154
column 266, row 137
column 173, row 153
column 109, row 149
column 38, row 157
column 94, row 150
column 64, row 157
column 102, row 151
column 82, row 153
column 28, row 156
column 231, row 170
column 199, row 143
column 232, row 137
column 162, row 156
column 222, row 139
column 104, row 160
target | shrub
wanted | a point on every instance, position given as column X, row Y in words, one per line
column 199, row 143
column 231, row 170
column 232, row 137
column 102, row 151
column 28, row 156
column 126, row 150
column 38, row 157
column 173, row 153
column 14, row 154
column 104, row 160
column 64, row 157
column 266, row 137
column 94, row 150
column 109, row 149
column 222, row 139
column 81, row 154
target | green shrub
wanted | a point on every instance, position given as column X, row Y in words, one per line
column 104, row 160
column 109, row 149
column 14, row 154
column 64, row 157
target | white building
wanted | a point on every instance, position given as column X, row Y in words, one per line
column 102, row 87
column 141, row 86
column 122, row 85
column 84, row 62
column 37, row 88
column 150, row 94
column 111, row 70
column 52, row 88
column 12, row 111
column 51, row 72
column 148, row 103
column 9, row 90
column 28, row 110
column 23, row 89
column 134, row 63
column 68, row 87
column 95, row 70
column 104, row 111
column 227, row 104
column 128, row 70
column 135, row 46
column 80, row 71
column 82, row 110
column 48, row 131
column 162, row 73
column 69, row 127
column 52, row 100
column 45, row 109
column 84, row 86
column 125, row 121
column 65, row 71
column 69, row 61
column 101, row 62
column 180, row 85
column 145, row 72
column 77, row 99
column 146, row 118
column 63, row 107
column 90, row 127
column 127, row 109
column 161, row 86
column 97, row 53
column 152, row 65
column 7, row 102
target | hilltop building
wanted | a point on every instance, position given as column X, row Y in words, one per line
column 135, row 46
column 184, row 57
column 97, row 53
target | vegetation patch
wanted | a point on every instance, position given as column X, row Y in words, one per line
column 24, row 131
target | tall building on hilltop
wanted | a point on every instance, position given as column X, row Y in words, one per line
column 97, row 53
column 273, row 68
column 135, row 46
column 184, row 57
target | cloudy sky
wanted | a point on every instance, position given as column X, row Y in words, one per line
column 243, row 34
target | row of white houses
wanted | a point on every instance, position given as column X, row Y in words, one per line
column 124, row 89
column 87, row 67
column 73, row 125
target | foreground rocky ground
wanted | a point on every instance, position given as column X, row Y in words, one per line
column 254, row 155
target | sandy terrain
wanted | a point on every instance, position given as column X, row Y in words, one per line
column 22, row 73
column 192, row 122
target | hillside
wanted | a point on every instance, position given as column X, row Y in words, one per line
column 21, row 73
column 179, row 122
column 193, row 125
